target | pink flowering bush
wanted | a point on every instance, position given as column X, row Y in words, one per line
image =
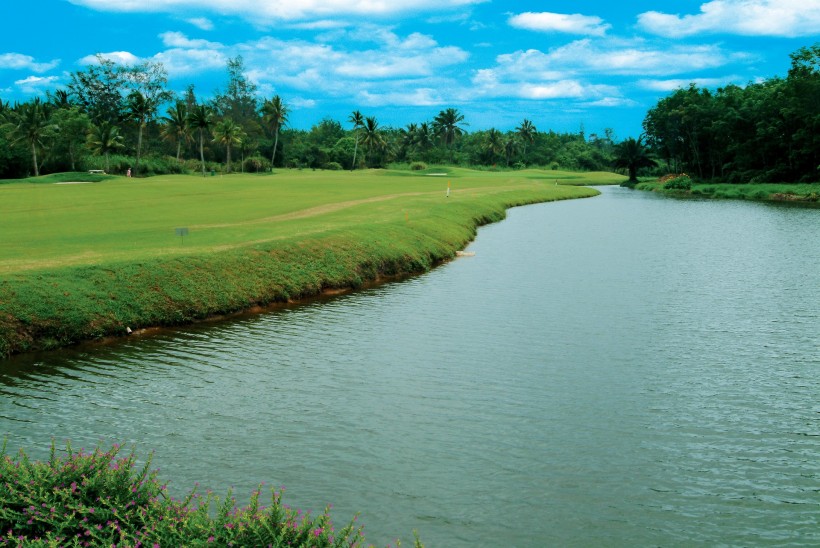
column 102, row 498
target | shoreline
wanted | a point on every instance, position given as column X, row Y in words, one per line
column 105, row 301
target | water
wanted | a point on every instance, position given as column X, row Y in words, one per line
column 623, row 371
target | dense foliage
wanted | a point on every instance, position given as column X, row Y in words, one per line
column 765, row 131
column 103, row 498
column 110, row 109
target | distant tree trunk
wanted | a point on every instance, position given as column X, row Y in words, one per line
column 202, row 151
column 34, row 158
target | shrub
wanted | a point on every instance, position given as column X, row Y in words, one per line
column 677, row 182
column 554, row 166
column 103, row 499
column 256, row 164
column 333, row 166
column 418, row 166
column 519, row 165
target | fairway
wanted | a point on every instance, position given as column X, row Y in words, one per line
column 130, row 220
column 84, row 261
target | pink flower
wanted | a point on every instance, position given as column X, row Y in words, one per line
column 211, row 538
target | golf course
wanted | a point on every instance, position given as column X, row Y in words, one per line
column 89, row 257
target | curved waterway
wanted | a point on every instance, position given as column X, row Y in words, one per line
column 625, row 370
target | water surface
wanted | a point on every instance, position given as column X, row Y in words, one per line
column 625, row 370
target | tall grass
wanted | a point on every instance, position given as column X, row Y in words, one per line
column 105, row 498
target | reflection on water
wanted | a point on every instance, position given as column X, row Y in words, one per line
column 624, row 370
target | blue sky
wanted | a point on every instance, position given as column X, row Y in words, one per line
column 560, row 64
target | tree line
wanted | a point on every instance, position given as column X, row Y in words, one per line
column 118, row 117
column 767, row 131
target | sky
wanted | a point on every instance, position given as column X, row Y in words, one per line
column 565, row 65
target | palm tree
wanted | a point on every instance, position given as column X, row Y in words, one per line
column 104, row 139
column 358, row 122
column 527, row 133
column 494, row 144
column 176, row 126
column 409, row 138
column 29, row 123
column 141, row 109
column 201, row 118
column 510, row 144
column 372, row 135
column 425, row 136
column 448, row 126
column 228, row 133
column 275, row 114
column 633, row 155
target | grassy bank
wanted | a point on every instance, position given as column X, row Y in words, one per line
column 84, row 261
column 767, row 192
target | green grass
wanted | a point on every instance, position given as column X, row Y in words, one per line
column 84, row 261
column 773, row 192
column 67, row 177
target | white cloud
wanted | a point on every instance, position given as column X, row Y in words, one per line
column 288, row 10
column 120, row 57
column 203, row 23
column 619, row 57
column 183, row 62
column 679, row 83
column 36, row 84
column 179, row 40
column 301, row 102
column 560, row 22
column 19, row 61
column 415, row 97
column 790, row 18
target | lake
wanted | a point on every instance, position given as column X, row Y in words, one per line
column 625, row 370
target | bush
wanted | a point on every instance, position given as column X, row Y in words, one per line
column 333, row 166
column 554, row 166
column 519, row 165
column 256, row 164
column 104, row 499
column 418, row 166
column 677, row 182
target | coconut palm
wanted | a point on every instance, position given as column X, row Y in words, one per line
column 527, row 133
column 201, row 118
column 633, row 155
column 275, row 114
column 372, row 136
column 141, row 109
column 510, row 146
column 493, row 144
column 29, row 123
column 227, row 133
column 448, row 126
column 175, row 127
column 104, row 139
column 357, row 120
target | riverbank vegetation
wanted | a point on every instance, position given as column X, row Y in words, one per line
column 106, row 498
column 85, row 261
column 763, row 132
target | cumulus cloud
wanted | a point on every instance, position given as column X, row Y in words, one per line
column 120, row 57
column 679, row 83
column 36, row 84
column 288, row 10
column 622, row 58
column 789, row 18
column 18, row 61
column 560, row 22
column 203, row 23
column 420, row 97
